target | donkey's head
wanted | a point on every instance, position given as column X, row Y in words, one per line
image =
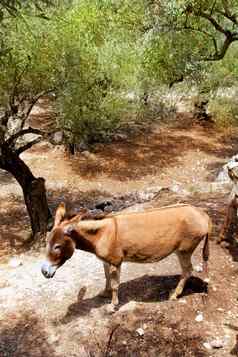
column 60, row 246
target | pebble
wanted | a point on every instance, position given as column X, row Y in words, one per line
column 198, row 268
column 130, row 306
column 140, row 331
column 217, row 343
column 199, row 317
column 207, row 345
column 182, row 301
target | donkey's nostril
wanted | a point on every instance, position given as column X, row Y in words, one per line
column 48, row 270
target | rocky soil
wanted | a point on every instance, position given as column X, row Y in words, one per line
column 64, row 317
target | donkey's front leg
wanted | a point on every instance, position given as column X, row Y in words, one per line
column 114, row 274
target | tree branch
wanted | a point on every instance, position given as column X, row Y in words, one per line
column 230, row 17
column 33, row 102
column 22, row 132
column 226, row 44
column 190, row 28
column 211, row 19
column 28, row 145
column 177, row 80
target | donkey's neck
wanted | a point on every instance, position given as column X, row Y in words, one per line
column 87, row 234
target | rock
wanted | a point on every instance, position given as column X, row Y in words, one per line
column 15, row 262
column 140, row 331
column 150, row 193
column 128, row 307
column 231, row 164
column 182, row 301
column 88, row 155
column 198, row 268
column 199, row 317
column 179, row 190
column 217, row 343
column 207, row 345
column 120, row 137
column 102, row 205
column 58, row 137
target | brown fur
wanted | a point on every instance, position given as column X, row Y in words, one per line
column 142, row 237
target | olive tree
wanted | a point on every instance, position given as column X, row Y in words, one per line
column 27, row 72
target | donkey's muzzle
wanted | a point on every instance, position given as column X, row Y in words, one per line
column 48, row 270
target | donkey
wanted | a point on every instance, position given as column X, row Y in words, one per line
column 142, row 237
column 232, row 206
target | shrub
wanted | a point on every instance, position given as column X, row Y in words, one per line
column 224, row 111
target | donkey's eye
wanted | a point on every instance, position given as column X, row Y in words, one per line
column 57, row 247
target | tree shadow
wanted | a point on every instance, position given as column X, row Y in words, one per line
column 14, row 228
column 147, row 154
column 143, row 289
column 26, row 337
column 232, row 248
column 6, row 178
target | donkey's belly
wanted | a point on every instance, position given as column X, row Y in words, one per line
column 144, row 258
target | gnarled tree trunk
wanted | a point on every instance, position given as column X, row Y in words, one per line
column 33, row 189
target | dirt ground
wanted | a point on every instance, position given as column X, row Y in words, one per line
column 64, row 317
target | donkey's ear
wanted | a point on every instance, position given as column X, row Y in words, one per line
column 68, row 229
column 60, row 214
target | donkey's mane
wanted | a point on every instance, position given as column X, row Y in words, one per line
column 87, row 216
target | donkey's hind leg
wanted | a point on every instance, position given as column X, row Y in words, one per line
column 187, row 268
column 107, row 292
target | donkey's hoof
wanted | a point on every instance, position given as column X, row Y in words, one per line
column 173, row 297
column 111, row 308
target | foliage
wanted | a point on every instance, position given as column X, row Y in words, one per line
column 97, row 55
column 224, row 110
column 101, row 62
column 184, row 37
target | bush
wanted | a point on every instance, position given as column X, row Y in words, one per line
column 224, row 111
column 100, row 64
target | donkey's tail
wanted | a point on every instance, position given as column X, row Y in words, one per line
column 206, row 250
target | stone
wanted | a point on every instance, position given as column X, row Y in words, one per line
column 198, row 268
column 217, row 343
column 231, row 164
column 88, row 155
column 58, row 137
column 140, row 331
column 128, row 307
column 199, row 317
column 207, row 345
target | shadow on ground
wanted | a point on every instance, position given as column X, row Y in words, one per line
column 24, row 337
column 6, row 178
column 144, row 289
column 148, row 154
